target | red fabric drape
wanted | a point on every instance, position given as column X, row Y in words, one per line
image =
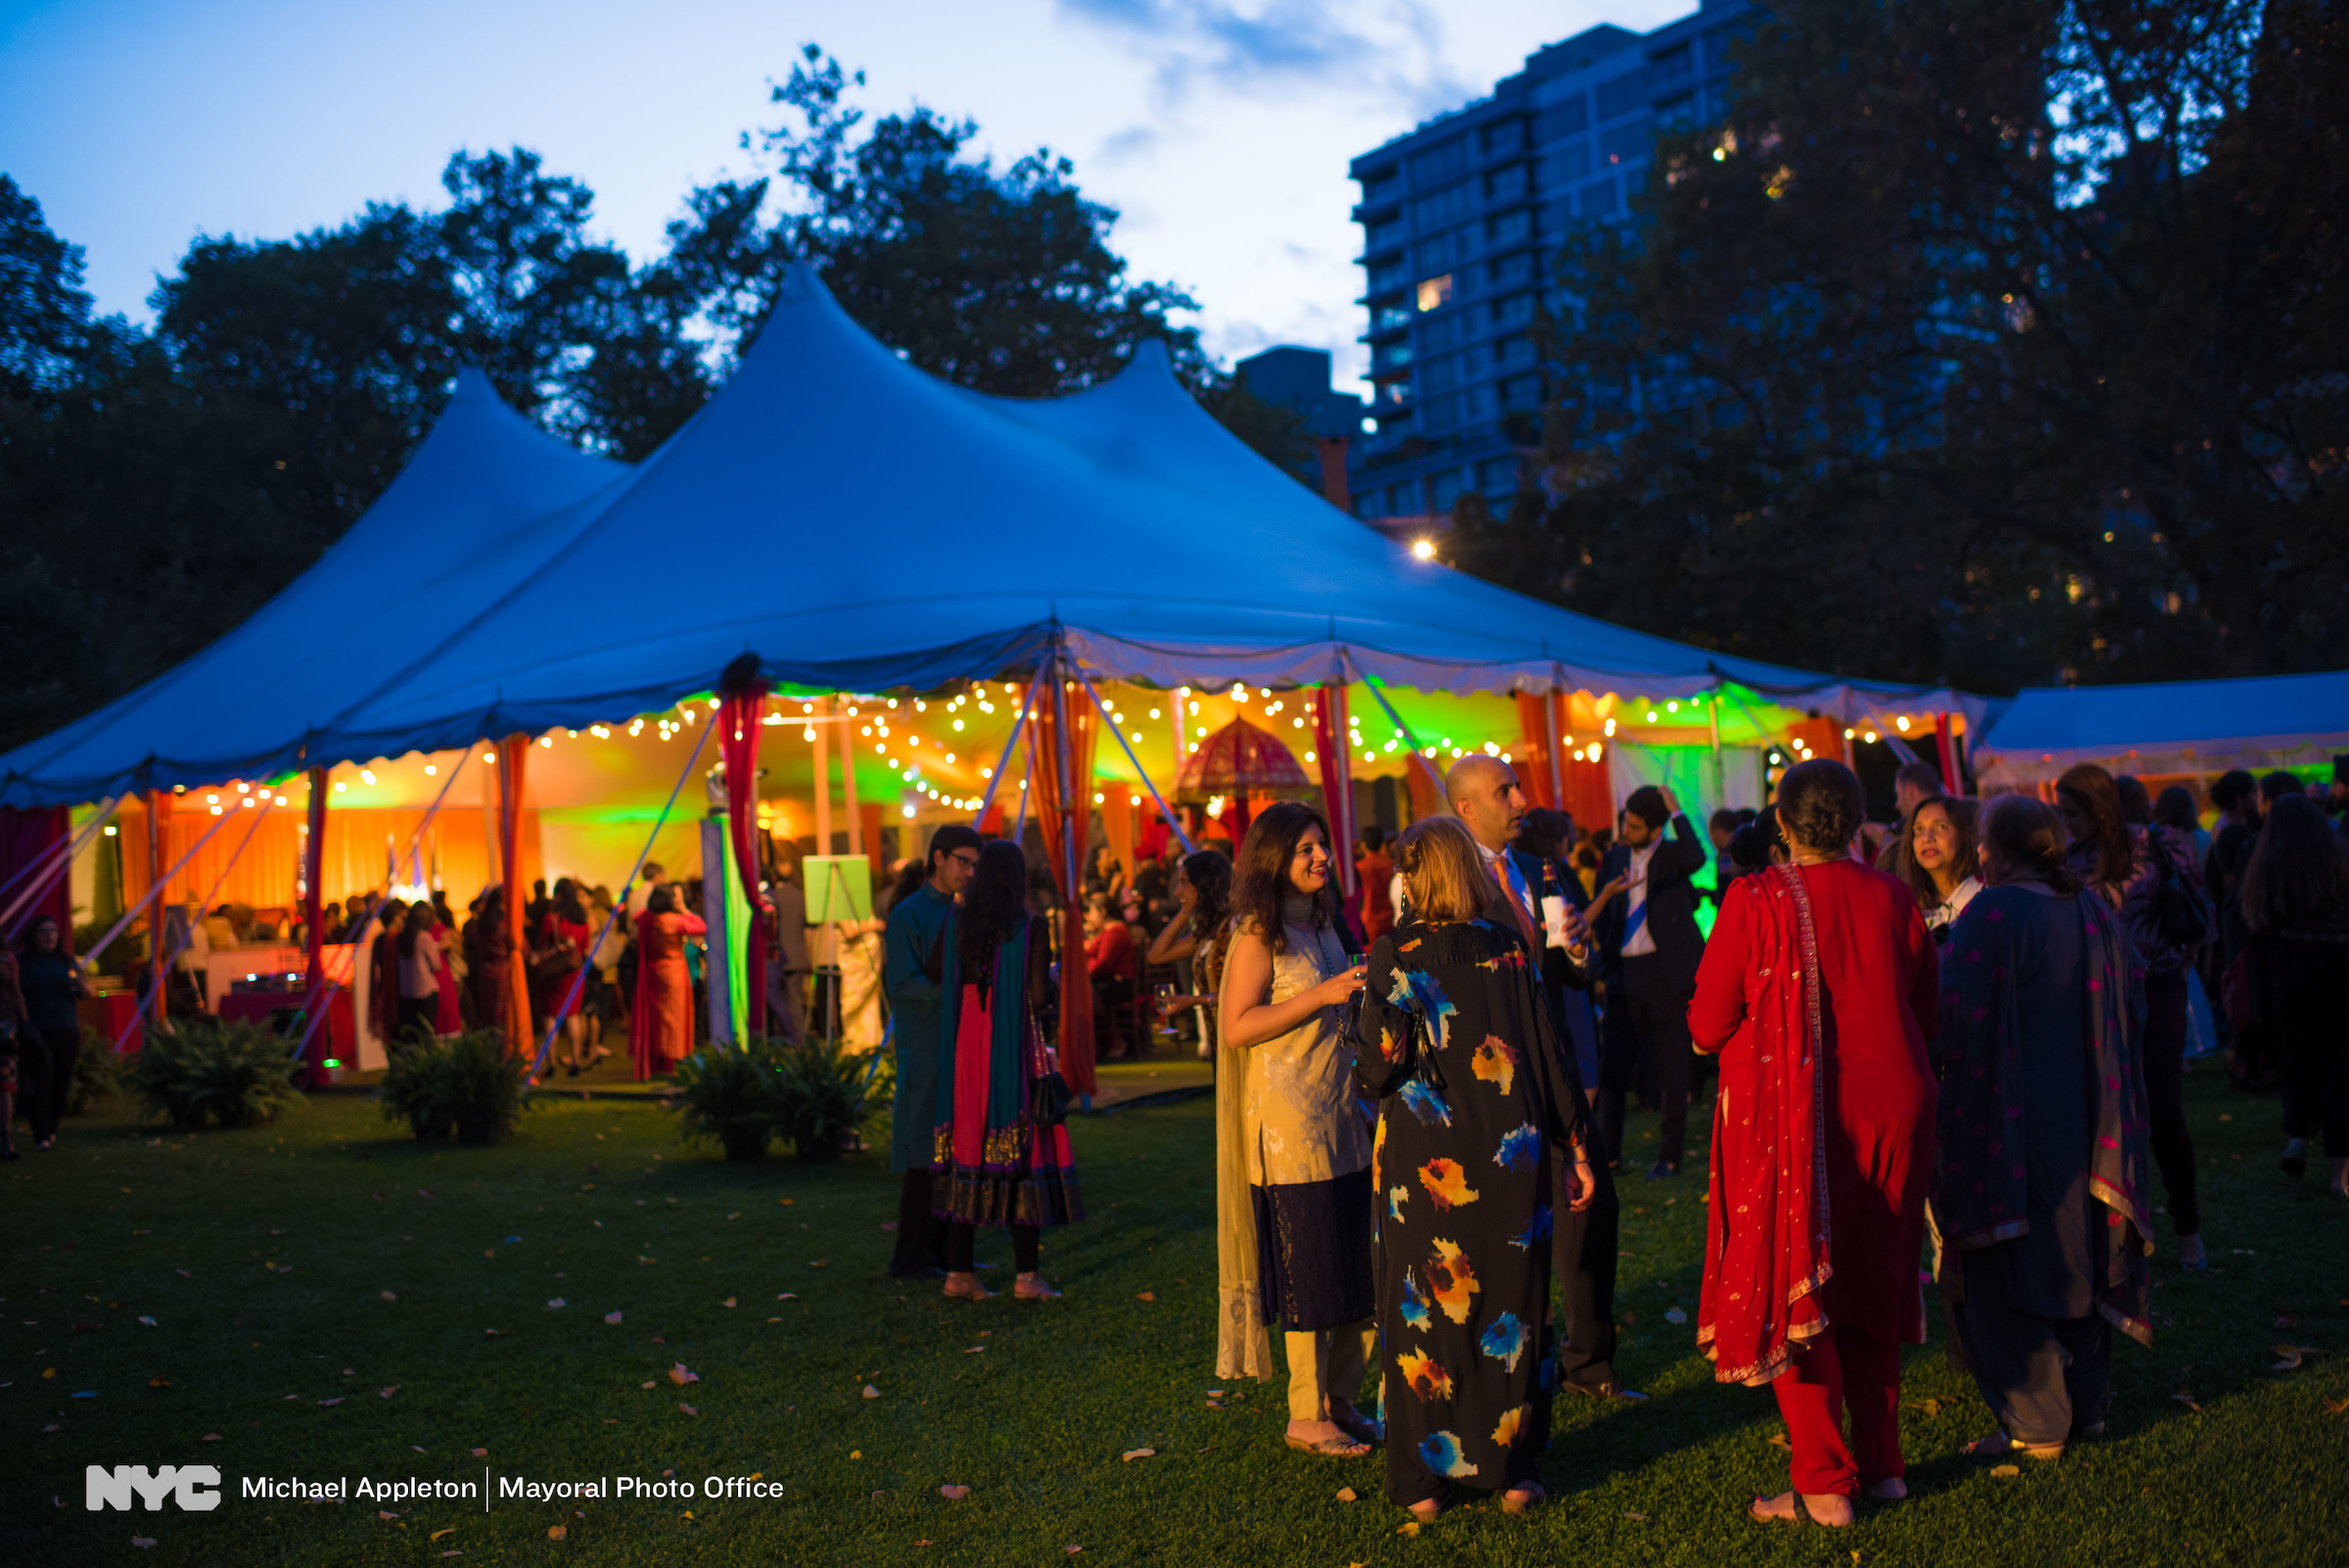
column 1060, row 773
column 513, row 756
column 1541, row 767
column 158, row 841
column 1945, row 744
column 36, row 835
column 1332, row 755
column 313, row 933
column 738, row 724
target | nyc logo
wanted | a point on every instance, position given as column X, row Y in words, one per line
column 195, row 1488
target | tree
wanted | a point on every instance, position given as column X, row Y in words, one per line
column 999, row 281
column 1991, row 341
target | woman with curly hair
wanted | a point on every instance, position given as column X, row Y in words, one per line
column 1291, row 1151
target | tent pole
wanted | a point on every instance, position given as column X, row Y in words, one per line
column 848, row 790
column 1721, row 785
column 513, row 755
column 1174, row 821
column 159, row 815
column 313, row 871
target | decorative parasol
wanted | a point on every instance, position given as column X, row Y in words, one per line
column 1240, row 759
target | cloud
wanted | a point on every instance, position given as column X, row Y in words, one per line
column 1392, row 51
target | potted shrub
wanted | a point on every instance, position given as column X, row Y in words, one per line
column 730, row 1096
column 209, row 1069
column 467, row 1085
column 825, row 1097
column 97, row 1073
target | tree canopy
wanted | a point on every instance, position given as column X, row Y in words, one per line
column 1991, row 341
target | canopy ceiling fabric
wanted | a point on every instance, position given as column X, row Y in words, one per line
column 2190, row 726
column 856, row 525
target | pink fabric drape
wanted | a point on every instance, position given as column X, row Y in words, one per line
column 738, row 723
column 1060, row 775
column 1332, row 753
column 513, row 756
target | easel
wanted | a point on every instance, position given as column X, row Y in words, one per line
column 835, row 898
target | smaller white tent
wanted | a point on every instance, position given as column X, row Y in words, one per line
column 2185, row 726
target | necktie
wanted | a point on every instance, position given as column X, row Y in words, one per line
column 1514, row 883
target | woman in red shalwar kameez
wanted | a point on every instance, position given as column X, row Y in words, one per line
column 661, row 1031
column 1819, row 990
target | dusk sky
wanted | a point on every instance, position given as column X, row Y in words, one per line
column 1221, row 131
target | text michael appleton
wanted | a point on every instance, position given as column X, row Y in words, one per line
column 508, row 1489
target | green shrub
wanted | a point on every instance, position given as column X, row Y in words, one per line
column 230, row 1073
column 814, row 1096
column 467, row 1085
column 97, row 1074
column 731, row 1095
column 826, row 1096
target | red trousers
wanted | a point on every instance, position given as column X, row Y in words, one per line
column 1844, row 1367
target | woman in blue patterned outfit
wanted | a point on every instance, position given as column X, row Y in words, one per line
column 1477, row 1098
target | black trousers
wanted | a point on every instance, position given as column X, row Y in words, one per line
column 45, row 1075
column 2165, row 1097
column 2310, row 977
column 921, row 1238
column 1027, row 1247
column 1582, row 1255
column 1654, row 1002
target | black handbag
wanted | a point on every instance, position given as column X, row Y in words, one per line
column 1049, row 1099
column 2180, row 913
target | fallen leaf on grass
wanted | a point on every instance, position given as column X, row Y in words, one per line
column 2293, row 1355
column 1410, row 1529
column 888, row 1225
column 819, row 1263
column 2005, row 1469
column 159, row 1382
column 2335, row 1407
column 337, row 1400
column 1931, row 1407
column 1146, row 1296
column 953, row 1494
column 872, row 1393
column 1778, row 1440
column 142, row 1541
column 1673, row 1314
column 149, row 1322
column 2286, row 1320
column 496, row 1333
column 480, row 1453
column 612, row 1318
column 1641, row 1517
column 555, row 1303
column 728, row 1302
column 1348, row 1494
column 974, row 1349
column 1072, row 1551
column 210, row 1436
column 1131, row 1454
column 688, row 1409
column 381, row 1514
column 389, row 1392
column 437, row 1533
column 646, row 1384
column 788, row 1294
column 391, row 1295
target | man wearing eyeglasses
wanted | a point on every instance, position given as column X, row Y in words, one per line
column 913, row 972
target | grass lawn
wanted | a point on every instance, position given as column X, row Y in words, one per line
column 294, row 1273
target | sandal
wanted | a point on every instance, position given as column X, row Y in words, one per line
column 1998, row 1446
column 1519, row 1499
column 965, row 1287
column 1802, row 1512
column 1033, row 1287
column 1426, row 1510
column 1331, row 1448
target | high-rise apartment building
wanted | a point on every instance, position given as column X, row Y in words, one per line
column 1460, row 219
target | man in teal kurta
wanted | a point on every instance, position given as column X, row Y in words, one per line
column 911, row 967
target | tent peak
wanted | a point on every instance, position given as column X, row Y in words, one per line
column 803, row 284
column 1150, row 358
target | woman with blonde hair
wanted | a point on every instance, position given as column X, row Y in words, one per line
column 1477, row 1097
column 1292, row 1150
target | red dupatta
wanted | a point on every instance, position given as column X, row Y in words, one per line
column 1766, row 1224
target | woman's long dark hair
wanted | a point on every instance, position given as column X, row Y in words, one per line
column 1261, row 879
column 1210, row 877
column 2092, row 791
column 568, row 904
column 2297, row 871
column 992, row 908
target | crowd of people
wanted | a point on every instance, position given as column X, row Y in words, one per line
column 1957, row 1041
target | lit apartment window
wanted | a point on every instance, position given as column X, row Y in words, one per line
column 1435, row 292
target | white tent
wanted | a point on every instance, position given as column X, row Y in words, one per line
column 2187, row 727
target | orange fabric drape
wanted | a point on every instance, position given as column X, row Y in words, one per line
column 513, row 755
column 1063, row 711
column 1589, row 792
column 1824, row 737
column 1426, row 787
column 350, row 853
column 1117, row 825
column 1540, row 768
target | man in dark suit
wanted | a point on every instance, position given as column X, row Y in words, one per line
column 1485, row 796
column 1649, row 943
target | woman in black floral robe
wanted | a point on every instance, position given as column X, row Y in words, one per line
column 1476, row 1102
